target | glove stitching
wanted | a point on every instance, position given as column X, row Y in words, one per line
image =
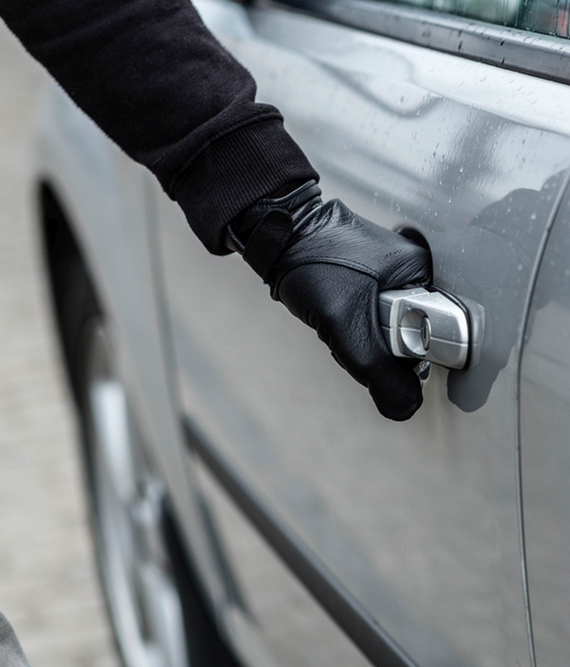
column 319, row 259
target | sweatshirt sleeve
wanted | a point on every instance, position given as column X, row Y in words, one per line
column 159, row 84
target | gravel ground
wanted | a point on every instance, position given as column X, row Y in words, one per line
column 48, row 584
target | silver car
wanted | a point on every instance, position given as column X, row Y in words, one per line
column 249, row 504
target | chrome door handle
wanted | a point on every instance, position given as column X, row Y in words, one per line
column 432, row 326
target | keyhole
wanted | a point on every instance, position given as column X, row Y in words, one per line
column 425, row 333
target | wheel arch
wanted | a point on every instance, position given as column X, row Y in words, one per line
column 61, row 252
column 62, row 256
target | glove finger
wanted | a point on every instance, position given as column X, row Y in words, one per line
column 344, row 312
column 358, row 344
column 392, row 382
column 395, row 389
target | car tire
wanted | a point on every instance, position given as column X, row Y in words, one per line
column 127, row 501
column 154, row 601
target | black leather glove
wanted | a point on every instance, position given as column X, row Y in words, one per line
column 328, row 266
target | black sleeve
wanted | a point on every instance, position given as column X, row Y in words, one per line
column 161, row 86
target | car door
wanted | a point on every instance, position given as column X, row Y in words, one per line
column 338, row 536
column 545, row 424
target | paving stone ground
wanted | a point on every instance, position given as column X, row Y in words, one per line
column 48, row 585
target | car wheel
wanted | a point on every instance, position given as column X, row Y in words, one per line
column 156, row 603
column 128, row 509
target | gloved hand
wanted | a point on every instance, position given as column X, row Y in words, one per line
column 328, row 266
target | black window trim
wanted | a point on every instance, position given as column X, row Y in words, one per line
column 524, row 51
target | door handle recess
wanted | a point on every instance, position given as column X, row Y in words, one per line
column 432, row 326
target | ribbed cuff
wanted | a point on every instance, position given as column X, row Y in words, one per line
column 235, row 171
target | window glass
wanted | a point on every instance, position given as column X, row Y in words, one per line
column 549, row 17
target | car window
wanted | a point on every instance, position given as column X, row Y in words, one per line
column 550, row 17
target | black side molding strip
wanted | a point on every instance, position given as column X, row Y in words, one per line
column 337, row 601
column 544, row 56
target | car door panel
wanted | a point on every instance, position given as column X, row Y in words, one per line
column 418, row 521
column 544, row 424
column 270, row 616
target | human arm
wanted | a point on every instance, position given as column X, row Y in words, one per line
column 159, row 84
